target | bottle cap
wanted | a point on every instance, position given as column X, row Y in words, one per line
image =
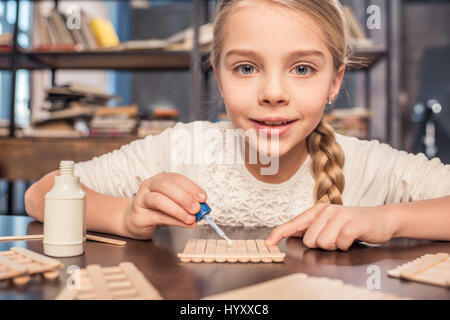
column 204, row 209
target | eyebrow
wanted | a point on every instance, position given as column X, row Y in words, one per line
column 294, row 54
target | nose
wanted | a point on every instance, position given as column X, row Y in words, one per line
column 273, row 93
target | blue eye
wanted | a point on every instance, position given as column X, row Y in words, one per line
column 245, row 68
column 302, row 70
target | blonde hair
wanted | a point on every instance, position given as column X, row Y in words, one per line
column 327, row 155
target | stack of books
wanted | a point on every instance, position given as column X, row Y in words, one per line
column 67, row 111
column 58, row 33
column 114, row 122
column 159, row 120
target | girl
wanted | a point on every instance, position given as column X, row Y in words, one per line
column 277, row 64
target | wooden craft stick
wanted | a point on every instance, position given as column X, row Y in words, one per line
column 430, row 268
column 232, row 255
column 41, row 236
column 188, row 251
column 105, row 240
column 19, row 238
column 98, row 282
column 210, row 251
column 275, row 253
column 53, row 263
column 426, row 262
column 221, row 251
column 242, row 251
column 199, row 250
column 141, row 284
column 253, row 251
column 264, row 252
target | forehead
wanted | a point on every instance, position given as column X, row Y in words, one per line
column 272, row 30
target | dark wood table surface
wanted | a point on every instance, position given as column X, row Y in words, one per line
column 175, row 280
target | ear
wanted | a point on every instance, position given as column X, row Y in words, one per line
column 337, row 82
column 219, row 84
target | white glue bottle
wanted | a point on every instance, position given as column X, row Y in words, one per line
column 64, row 215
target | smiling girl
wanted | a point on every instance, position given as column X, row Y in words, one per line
column 277, row 64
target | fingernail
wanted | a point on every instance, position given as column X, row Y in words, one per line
column 190, row 219
column 195, row 207
column 201, row 196
column 268, row 243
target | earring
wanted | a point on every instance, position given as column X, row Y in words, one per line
column 330, row 102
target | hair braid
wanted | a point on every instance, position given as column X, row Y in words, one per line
column 327, row 162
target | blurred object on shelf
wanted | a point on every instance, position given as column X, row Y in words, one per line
column 104, row 32
column 114, row 121
column 6, row 42
column 160, row 119
column 351, row 122
column 222, row 116
column 184, row 40
column 67, row 111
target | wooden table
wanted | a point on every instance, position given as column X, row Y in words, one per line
column 158, row 261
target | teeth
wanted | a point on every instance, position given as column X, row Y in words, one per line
column 275, row 123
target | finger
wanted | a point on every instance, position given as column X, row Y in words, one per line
column 191, row 187
column 315, row 228
column 296, row 226
column 175, row 192
column 347, row 235
column 158, row 201
column 163, row 219
column 327, row 237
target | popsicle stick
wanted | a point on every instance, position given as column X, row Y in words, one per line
column 189, row 250
column 20, row 238
column 263, row 251
column 37, row 257
column 232, row 253
column 242, row 251
column 210, row 251
column 99, row 283
column 426, row 262
column 105, row 240
column 253, row 251
column 139, row 282
column 199, row 250
column 221, row 251
column 41, row 237
column 430, row 268
column 275, row 253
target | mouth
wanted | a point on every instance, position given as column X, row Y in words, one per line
column 274, row 126
column 273, row 123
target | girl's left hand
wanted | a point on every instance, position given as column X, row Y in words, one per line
column 332, row 227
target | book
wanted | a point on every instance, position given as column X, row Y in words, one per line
column 91, row 42
column 61, row 28
column 104, row 32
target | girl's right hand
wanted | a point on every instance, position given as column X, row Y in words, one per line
column 166, row 199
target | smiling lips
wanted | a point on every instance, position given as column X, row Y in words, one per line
column 273, row 126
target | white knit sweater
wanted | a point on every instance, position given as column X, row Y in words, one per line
column 375, row 174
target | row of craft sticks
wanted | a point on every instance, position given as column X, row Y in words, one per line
column 300, row 286
column 211, row 250
column 23, row 262
column 429, row 268
column 110, row 283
